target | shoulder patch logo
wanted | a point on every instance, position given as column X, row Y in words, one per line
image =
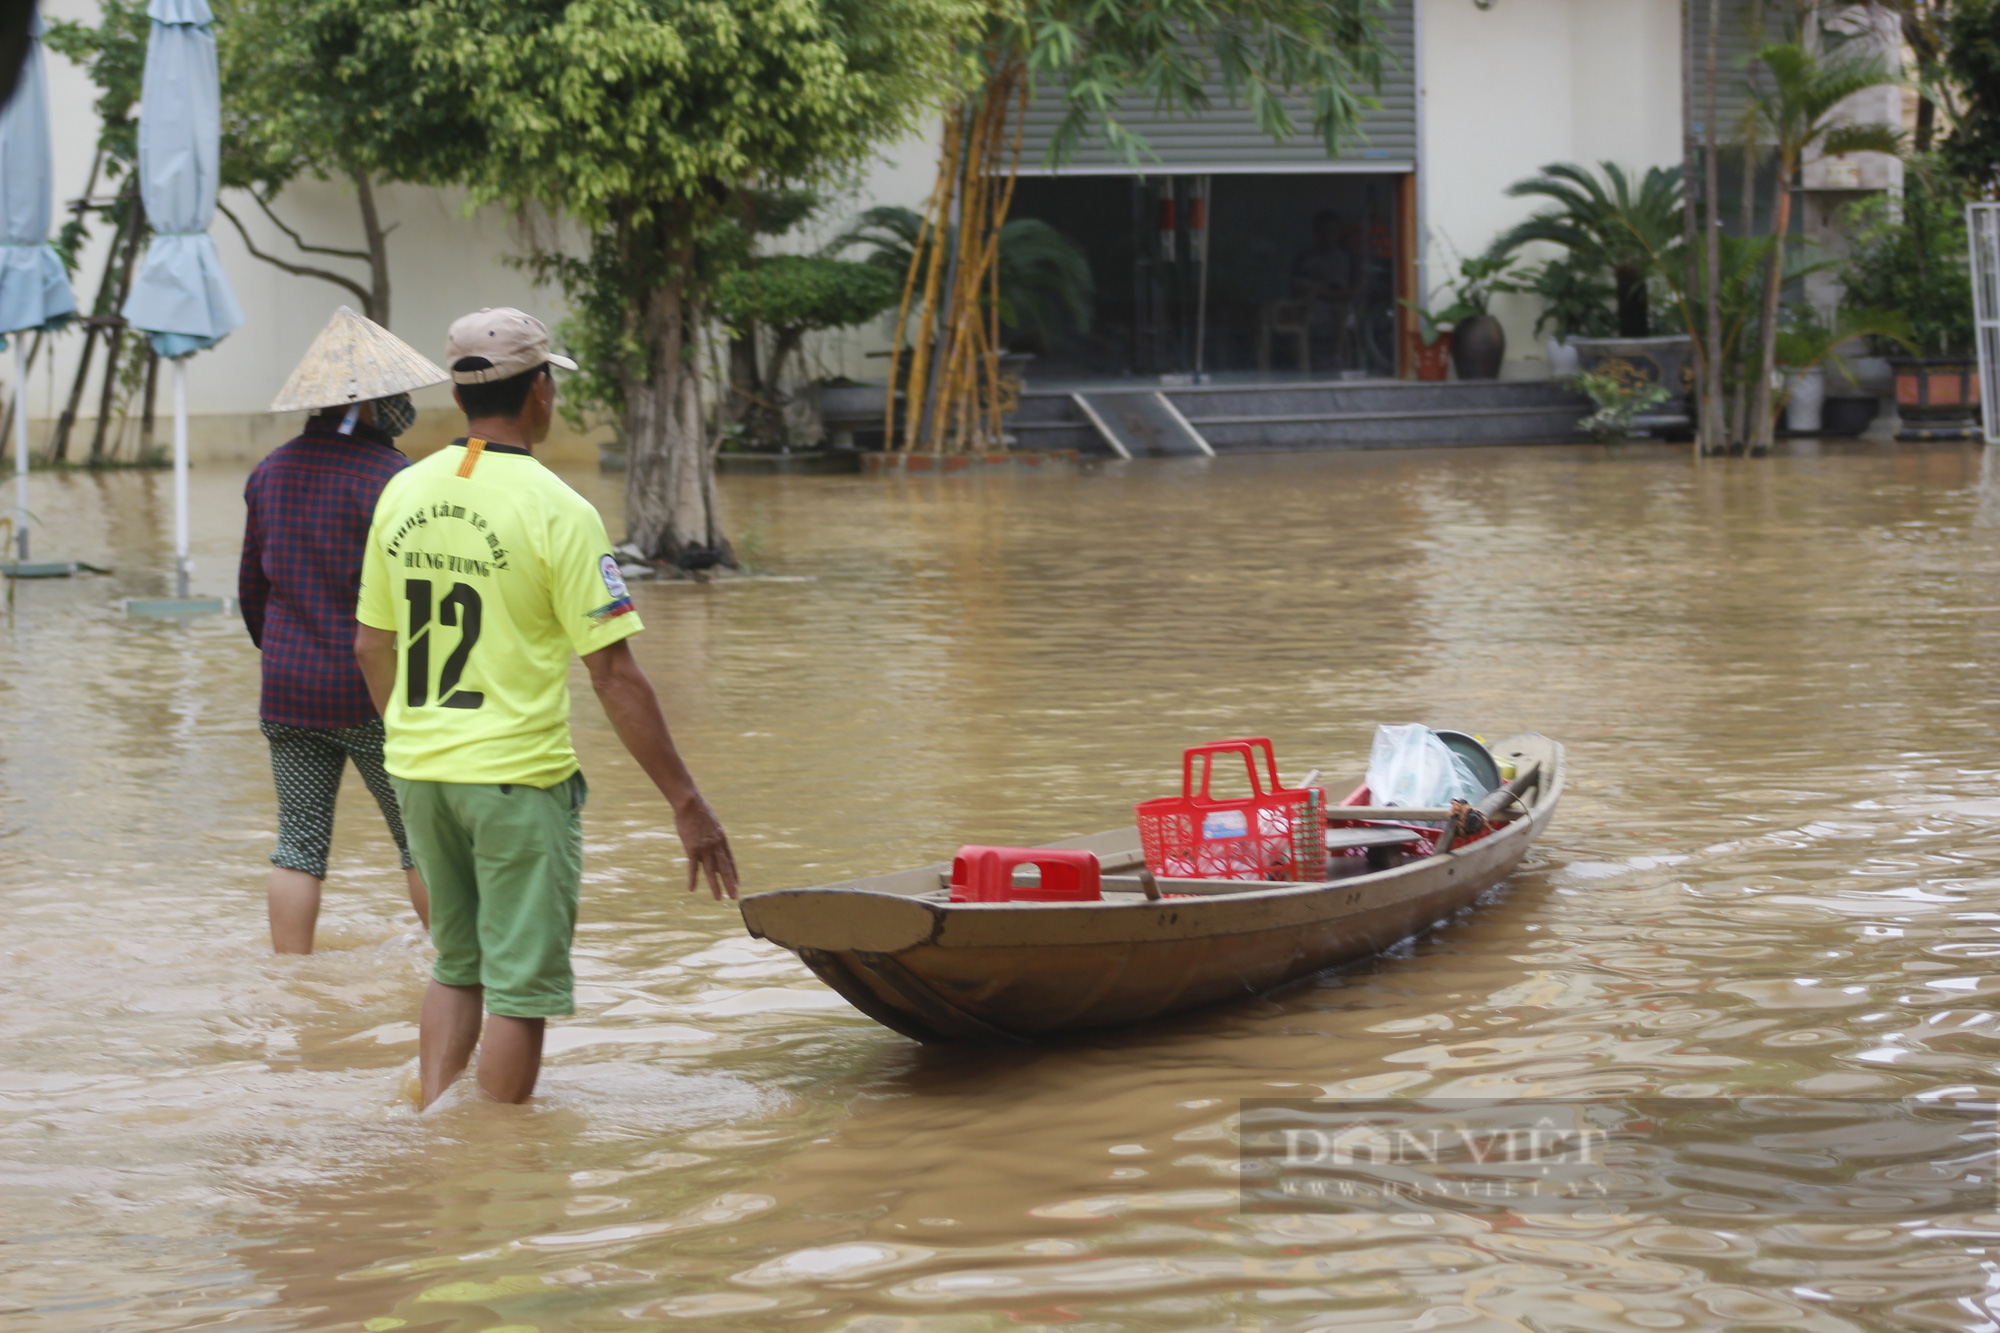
column 614, row 585
column 614, row 582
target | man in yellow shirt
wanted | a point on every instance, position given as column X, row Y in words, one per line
column 482, row 574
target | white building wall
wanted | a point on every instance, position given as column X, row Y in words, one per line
column 1510, row 89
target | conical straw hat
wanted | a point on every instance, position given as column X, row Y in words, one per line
column 354, row 360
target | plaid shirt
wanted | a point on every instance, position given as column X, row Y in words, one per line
column 310, row 505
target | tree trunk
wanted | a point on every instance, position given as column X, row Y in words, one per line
column 1742, row 428
column 1715, row 417
column 117, row 339
column 670, row 499
column 378, row 248
column 1763, row 421
column 1690, row 213
column 1634, row 317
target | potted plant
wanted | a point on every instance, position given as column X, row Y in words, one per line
column 1620, row 402
column 1914, row 262
column 1430, row 340
column 1809, row 345
column 1478, row 342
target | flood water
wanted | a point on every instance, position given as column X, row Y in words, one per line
column 1775, row 871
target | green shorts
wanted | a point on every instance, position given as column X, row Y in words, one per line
column 503, row 864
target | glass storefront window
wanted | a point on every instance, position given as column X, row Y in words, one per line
column 1300, row 276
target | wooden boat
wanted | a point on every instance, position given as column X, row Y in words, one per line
column 939, row 971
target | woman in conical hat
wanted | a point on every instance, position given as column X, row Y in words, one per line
column 310, row 504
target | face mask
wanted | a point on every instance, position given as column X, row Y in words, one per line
column 394, row 414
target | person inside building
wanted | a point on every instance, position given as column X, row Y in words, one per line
column 483, row 574
column 310, row 502
column 1326, row 276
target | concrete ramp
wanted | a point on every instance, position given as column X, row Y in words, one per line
column 1142, row 425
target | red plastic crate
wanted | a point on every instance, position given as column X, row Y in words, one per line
column 986, row 875
column 1276, row 833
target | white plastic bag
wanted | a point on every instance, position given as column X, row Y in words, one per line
column 1410, row 766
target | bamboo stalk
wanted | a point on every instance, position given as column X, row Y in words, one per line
column 923, row 343
column 944, row 271
column 1002, row 397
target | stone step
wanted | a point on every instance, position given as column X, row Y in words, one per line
column 1346, row 414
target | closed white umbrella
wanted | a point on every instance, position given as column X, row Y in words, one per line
column 34, row 291
column 181, row 296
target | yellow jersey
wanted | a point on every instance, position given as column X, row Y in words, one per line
column 490, row 572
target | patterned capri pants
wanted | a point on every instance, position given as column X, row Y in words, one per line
column 307, row 763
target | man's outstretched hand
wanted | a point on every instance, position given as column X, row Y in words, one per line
column 707, row 848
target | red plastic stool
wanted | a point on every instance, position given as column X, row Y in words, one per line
column 986, row 875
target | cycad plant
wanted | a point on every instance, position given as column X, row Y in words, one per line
column 1630, row 233
column 1795, row 112
column 1044, row 282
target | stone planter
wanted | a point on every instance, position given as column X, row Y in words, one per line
column 1668, row 362
column 846, row 408
column 1937, row 397
column 1478, row 347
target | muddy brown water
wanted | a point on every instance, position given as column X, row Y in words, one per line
column 1775, row 871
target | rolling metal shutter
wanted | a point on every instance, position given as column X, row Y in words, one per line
column 1747, row 26
column 1226, row 139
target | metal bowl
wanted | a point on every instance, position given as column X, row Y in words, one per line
column 1476, row 756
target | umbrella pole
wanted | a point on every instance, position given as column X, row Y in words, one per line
column 20, row 448
column 180, row 477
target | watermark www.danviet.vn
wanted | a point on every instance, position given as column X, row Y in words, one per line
column 1710, row 1158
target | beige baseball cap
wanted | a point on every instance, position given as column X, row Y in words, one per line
column 498, row 343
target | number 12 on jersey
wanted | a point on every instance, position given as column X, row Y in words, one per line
column 459, row 610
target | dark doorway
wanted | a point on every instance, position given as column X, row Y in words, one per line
column 1300, row 281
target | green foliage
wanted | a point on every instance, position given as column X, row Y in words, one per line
column 113, row 55
column 284, row 112
column 805, row 292
column 1806, row 340
column 646, row 122
column 1741, row 278
column 1478, row 279
column 1472, row 290
column 1098, row 56
column 1613, row 229
column 639, row 114
column 1045, row 281
column 1619, row 403
column 1795, row 107
column 1913, row 260
column 1576, row 301
column 1972, row 57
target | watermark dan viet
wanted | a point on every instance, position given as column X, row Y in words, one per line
column 1714, row 1159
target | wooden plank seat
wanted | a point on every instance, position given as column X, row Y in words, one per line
column 1381, row 844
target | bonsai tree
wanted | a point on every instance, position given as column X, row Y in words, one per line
column 1611, row 229
column 778, row 301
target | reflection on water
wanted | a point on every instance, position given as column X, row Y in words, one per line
column 1772, row 874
